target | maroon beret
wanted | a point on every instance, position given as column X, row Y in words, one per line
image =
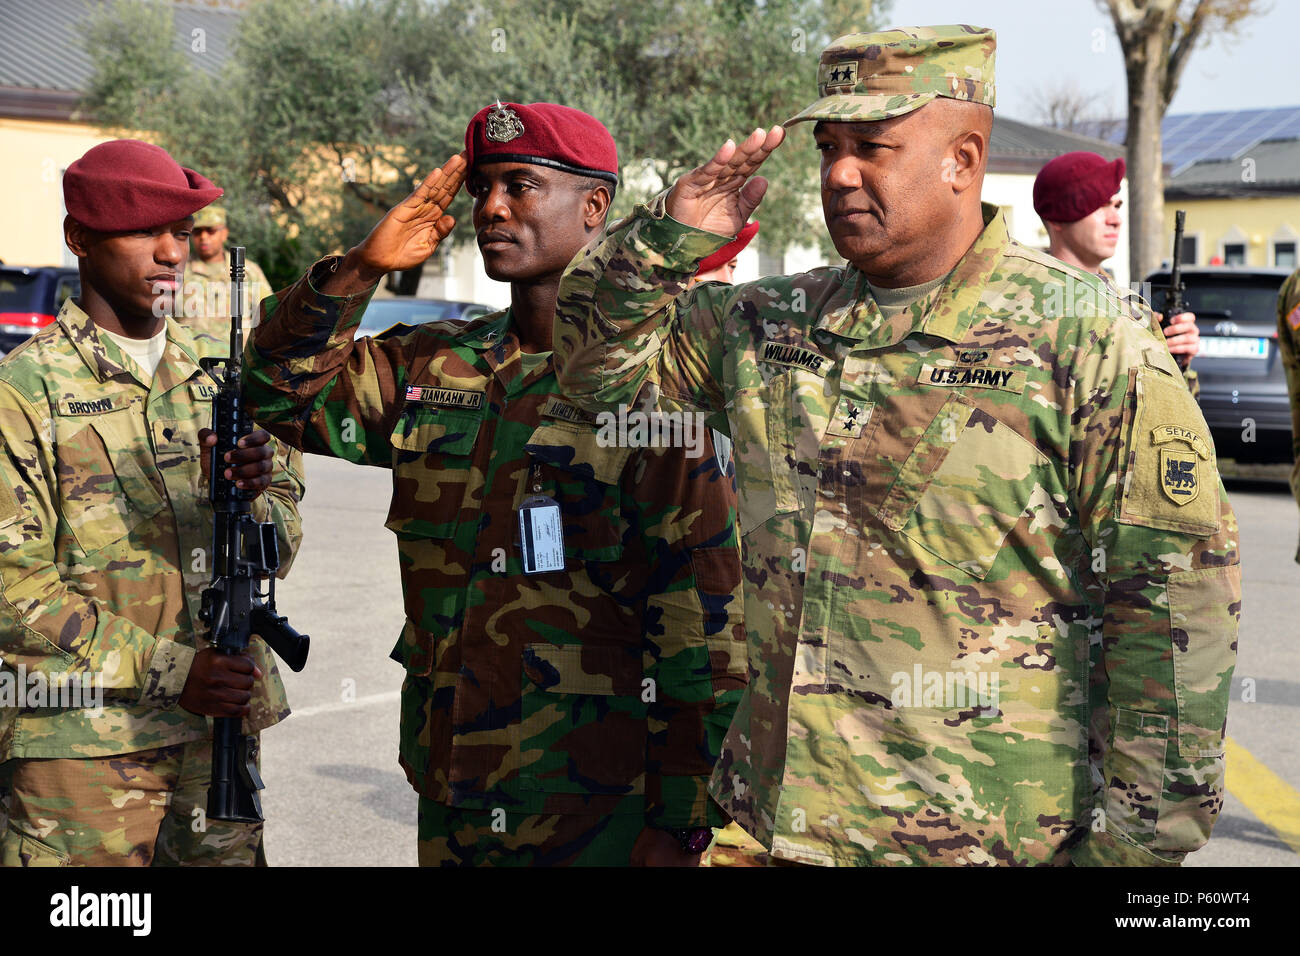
column 543, row 133
column 730, row 250
column 127, row 184
column 1075, row 184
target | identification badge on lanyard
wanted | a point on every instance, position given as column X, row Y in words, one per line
column 541, row 534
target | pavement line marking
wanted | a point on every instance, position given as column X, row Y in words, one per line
column 385, row 697
column 1273, row 801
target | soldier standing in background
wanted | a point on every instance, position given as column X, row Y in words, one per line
column 947, row 495
column 207, row 274
column 1077, row 197
column 573, row 648
column 1288, row 344
column 105, row 532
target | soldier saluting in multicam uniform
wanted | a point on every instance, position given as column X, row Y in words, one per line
column 573, row 648
column 105, row 537
column 948, row 493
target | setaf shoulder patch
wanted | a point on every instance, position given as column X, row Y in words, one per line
column 1180, row 479
column 1171, row 479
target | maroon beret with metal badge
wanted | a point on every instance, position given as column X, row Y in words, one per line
column 545, row 134
column 730, row 250
column 1074, row 185
column 127, row 184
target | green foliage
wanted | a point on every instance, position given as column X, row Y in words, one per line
column 329, row 111
column 145, row 63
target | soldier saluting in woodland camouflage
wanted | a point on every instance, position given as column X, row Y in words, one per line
column 573, row 647
column 991, row 574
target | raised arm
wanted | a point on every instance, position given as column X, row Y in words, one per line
column 306, row 379
column 625, row 317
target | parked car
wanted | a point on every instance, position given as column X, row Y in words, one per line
column 1242, row 379
column 383, row 314
column 30, row 298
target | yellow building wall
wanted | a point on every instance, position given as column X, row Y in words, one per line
column 1256, row 222
column 33, row 156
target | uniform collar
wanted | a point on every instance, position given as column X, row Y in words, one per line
column 105, row 359
column 494, row 338
column 946, row 313
column 485, row 332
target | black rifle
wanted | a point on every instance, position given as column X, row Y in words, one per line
column 1174, row 304
column 244, row 553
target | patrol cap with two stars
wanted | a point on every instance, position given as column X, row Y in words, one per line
column 865, row 77
column 128, row 184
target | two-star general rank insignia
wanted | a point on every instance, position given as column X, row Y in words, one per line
column 850, row 418
column 1180, row 477
column 837, row 75
column 503, row 125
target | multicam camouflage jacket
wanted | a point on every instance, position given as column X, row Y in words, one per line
column 602, row 687
column 105, row 540
column 1288, row 345
column 941, row 513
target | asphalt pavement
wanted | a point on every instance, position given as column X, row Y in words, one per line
column 335, row 795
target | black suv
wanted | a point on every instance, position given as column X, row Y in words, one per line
column 1242, row 379
column 30, row 298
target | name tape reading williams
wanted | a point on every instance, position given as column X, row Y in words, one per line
column 778, row 353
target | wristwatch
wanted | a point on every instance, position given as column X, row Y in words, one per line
column 691, row 839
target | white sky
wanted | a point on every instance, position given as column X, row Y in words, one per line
column 1047, row 41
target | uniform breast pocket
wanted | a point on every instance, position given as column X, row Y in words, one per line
column 102, row 483
column 964, row 488
column 568, row 463
column 433, row 481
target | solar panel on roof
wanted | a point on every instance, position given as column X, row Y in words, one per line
column 1192, row 138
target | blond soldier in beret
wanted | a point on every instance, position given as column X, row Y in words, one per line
column 207, row 273
column 991, row 575
column 1077, row 196
column 106, row 681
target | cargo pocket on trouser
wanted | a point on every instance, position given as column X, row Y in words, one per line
column 582, row 719
column 19, row 849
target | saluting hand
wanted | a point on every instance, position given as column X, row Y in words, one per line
column 720, row 196
column 406, row 236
